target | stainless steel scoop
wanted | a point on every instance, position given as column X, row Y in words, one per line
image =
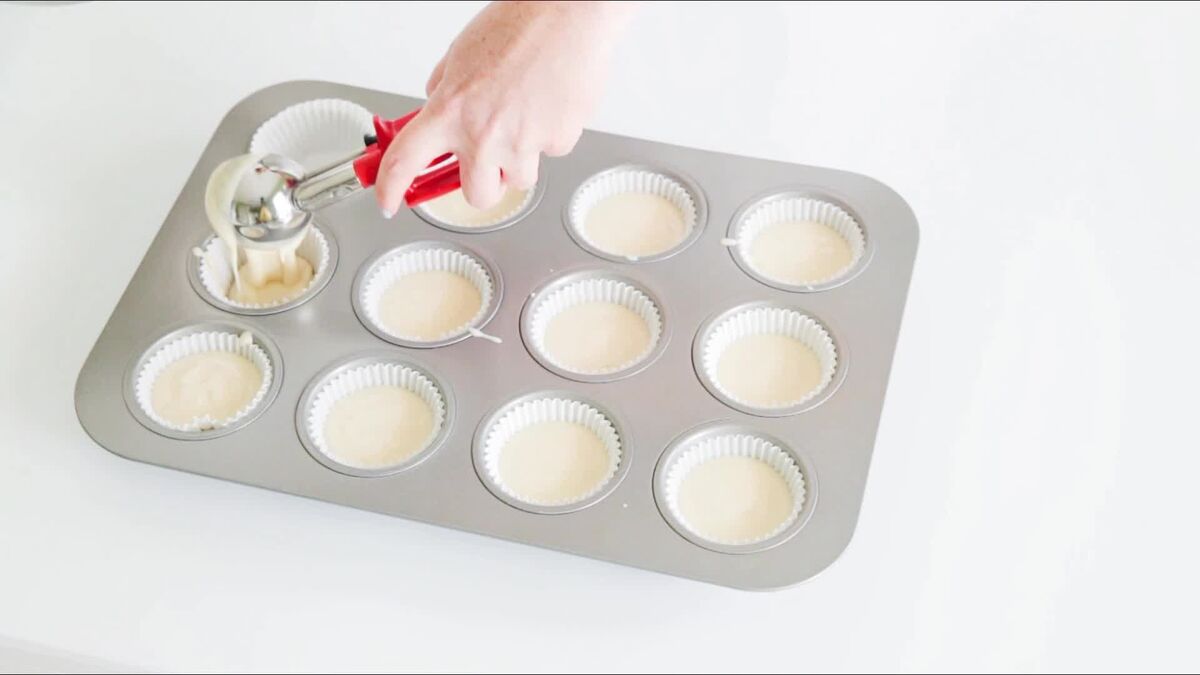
column 275, row 198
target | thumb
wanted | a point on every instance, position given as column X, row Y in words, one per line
column 417, row 144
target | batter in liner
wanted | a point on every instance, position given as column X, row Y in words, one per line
column 768, row 370
column 634, row 224
column 211, row 385
column 800, row 253
column 734, row 499
column 596, row 337
column 429, row 305
column 378, row 426
column 553, row 463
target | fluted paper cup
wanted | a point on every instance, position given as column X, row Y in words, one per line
column 768, row 320
column 356, row 379
column 797, row 209
column 527, row 414
column 749, row 447
column 594, row 290
column 196, row 343
column 390, row 269
column 314, row 133
column 636, row 180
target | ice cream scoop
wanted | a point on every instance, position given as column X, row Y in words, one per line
column 275, row 196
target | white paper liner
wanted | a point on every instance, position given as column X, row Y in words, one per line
column 373, row 375
column 801, row 209
column 594, row 290
column 482, row 223
column 623, row 180
column 542, row 410
column 314, row 133
column 216, row 274
column 196, row 343
column 774, row 321
column 735, row 445
column 389, row 270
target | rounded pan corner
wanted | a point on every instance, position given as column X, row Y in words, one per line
column 900, row 204
column 776, row 585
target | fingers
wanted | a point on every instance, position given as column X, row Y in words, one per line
column 414, row 147
column 435, row 78
column 521, row 173
column 563, row 143
column 480, row 181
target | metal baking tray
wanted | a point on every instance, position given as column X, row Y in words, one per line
column 654, row 407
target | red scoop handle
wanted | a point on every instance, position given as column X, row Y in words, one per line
column 430, row 185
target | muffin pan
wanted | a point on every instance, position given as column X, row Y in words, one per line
column 659, row 409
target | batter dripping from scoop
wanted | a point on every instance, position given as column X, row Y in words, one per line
column 268, row 276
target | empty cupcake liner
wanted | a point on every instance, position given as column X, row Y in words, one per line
column 800, row 209
column 734, row 445
column 391, row 269
column 637, row 180
column 769, row 321
column 216, row 272
column 529, row 413
column 196, row 343
column 373, row 375
column 314, row 133
column 479, row 220
column 594, row 290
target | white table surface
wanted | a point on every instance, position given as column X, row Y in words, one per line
column 1031, row 501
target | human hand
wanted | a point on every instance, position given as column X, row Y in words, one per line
column 519, row 81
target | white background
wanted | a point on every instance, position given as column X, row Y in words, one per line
column 1031, row 500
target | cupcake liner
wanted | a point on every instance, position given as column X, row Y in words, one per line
column 373, row 375
column 478, row 222
column 735, row 445
column 196, row 343
column 801, row 209
column 630, row 179
column 216, row 274
column 595, row 290
column 773, row 321
column 314, row 133
column 524, row 415
column 391, row 269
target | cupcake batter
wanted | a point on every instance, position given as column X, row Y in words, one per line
column 429, row 305
column 596, row 337
column 553, row 463
column 768, row 370
column 634, row 224
column 269, row 276
column 211, row 385
column 802, row 252
column 378, row 426
column 453, row 208
column 734, row 499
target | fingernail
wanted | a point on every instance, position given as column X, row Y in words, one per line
column 386, row 212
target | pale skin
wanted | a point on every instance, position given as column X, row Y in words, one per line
column 520, row 81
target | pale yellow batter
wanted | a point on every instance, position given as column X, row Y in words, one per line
column 553, row 462
column 378, row 426
column 634, row 224
column 768, row 370
column 453, row 208
column 800, row 252
column 213, row 385
column 269, row 276
column 596, row 337
column 429, row 305
column 734, row 499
